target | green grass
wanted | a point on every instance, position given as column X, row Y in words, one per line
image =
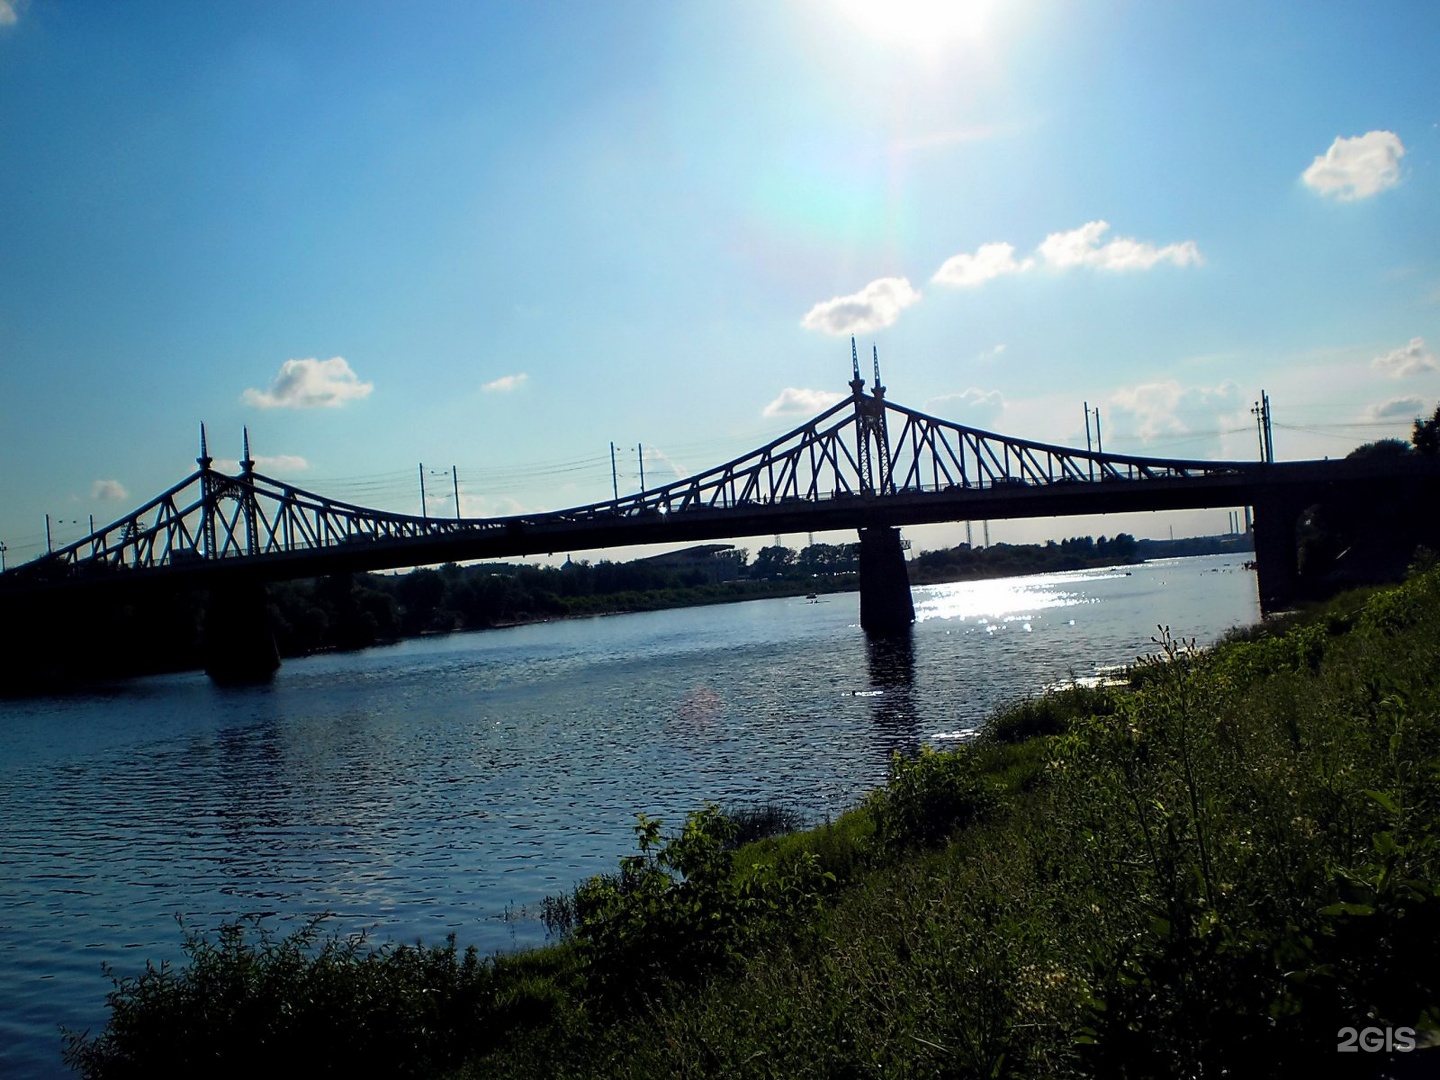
column 1208, row 871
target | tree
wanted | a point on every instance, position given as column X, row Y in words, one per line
column 772, row 562
column 1427, row 434
column 1381, row 448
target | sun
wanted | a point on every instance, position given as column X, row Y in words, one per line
column 927, row 26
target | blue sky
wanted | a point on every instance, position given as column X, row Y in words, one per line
column 500, row 236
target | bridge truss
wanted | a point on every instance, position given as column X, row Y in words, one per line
column 862, row 449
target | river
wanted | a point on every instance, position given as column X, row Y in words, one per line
column 447, row 784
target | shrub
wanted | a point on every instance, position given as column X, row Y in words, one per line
column 1049, row 714
column 759, row 822
column 928, row 797
column 247, row 1001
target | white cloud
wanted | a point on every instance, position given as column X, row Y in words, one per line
column 1410, row 359
column 310, row 384
column 1357, row 168
column 980, row 408
column 1405, row 408
column 874, row 307
column 506, row 383
column 989, row 262
column 106, row 490
column 489, row 506
column 655, row 453
column 1082, row 247
column 797, row 402
column 281, row 463
column 1168, row 408
column 272, row 463
column 8, row 13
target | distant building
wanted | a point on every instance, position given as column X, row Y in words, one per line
column 718, row 562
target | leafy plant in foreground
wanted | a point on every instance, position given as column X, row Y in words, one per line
column 248, row 1001
column 680, row 909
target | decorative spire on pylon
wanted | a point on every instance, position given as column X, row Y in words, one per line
column 857, row 384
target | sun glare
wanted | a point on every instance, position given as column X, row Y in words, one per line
column 924, row 25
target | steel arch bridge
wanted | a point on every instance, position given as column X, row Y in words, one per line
column 864, row 462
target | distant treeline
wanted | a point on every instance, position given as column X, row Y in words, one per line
column 347, row 612
column 1006, row 560
column 166, row 631
column 1078, row 553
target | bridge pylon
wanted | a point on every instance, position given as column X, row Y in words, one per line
column 239, row 643
column 886, row 606
column 872, row 441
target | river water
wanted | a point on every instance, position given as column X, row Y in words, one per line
column 448, row 784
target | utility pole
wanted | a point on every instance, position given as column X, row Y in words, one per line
column 1099, row 442
column 422, row 491
column 49, row 548
column 1269, row 431
column 640, row 449
column 455, row 476
column 614, row 477
column 3, row 549
column 1261, row 412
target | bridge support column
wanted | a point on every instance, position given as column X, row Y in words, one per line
column 239, row 644
column 1277, row 556
column 885, row 604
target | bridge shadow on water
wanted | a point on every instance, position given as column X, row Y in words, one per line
column 891, row 662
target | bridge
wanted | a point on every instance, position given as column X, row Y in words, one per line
column 865, row 463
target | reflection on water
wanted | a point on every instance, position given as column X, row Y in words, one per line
column 891, row 660
column 1009, row 599
column 448, row 784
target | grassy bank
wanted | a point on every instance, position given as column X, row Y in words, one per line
column 1210, row 871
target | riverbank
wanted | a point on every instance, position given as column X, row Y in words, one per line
column 1222, row 864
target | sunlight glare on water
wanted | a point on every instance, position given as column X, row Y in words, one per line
column 1007, row 598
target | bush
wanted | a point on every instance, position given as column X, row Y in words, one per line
column 928, row 797
column 247, row 1002
column 1048, row 714
column 681, row 910
column 761, row 822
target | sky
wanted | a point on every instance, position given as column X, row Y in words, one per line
column 499, row 237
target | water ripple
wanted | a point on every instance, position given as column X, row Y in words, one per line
column 445, row 785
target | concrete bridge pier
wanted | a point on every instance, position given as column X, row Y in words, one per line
column 239, row 642
column 1277, row 553
column 885, row 604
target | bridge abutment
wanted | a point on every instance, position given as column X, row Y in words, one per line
column 239, row 643
column 885, row 603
